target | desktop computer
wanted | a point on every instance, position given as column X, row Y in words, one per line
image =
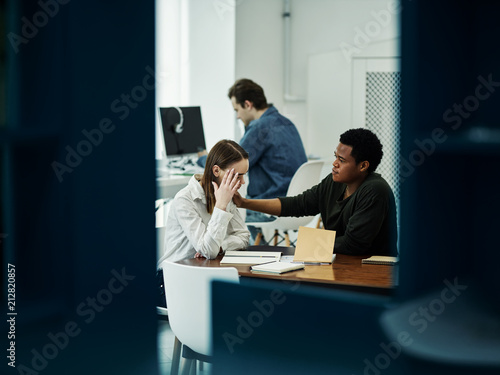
column 183, row 137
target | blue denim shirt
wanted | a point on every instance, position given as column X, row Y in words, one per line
column 275, row 153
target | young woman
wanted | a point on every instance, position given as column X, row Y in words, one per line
column 203, row 220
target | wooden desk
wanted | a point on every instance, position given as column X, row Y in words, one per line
column 347, row 272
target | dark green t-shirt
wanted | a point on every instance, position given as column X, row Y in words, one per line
column 365, row 223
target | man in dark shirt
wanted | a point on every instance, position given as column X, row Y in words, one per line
column 354, row 201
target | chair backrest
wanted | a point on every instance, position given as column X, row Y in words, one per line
column 308, row 175
column 305, row 177
column 188, row 292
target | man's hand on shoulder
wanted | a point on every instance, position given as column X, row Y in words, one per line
column 238, row 199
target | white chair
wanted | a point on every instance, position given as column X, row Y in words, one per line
column 188, row 291
column 308, row 175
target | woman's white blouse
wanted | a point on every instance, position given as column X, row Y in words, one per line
column 191, row 229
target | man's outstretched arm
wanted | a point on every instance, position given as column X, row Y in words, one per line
column 267, row 206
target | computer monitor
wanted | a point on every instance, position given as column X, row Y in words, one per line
column 182, row 130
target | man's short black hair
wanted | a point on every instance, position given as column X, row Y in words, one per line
column 365, row 146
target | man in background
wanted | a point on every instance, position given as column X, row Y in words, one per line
column 272, row 142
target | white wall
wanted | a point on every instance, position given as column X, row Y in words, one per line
column 218, row 41
column 330, row 95
column 259, row 46
column 319, row 28
column 195, row 56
